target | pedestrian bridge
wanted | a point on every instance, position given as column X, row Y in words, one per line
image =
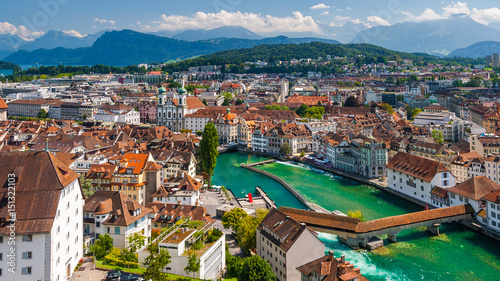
column 356, row 234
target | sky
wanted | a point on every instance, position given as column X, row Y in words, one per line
column 339, row 19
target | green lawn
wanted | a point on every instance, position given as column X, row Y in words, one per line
column 141, row 271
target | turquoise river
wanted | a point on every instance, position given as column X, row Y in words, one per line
column 457, row 254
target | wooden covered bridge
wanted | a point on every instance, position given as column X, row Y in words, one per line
column 356, row 234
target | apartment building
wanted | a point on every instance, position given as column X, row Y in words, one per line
column 416, row 176
column 48, row 217
column 287, row 244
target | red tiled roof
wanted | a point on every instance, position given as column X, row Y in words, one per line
column 118, row 204
column 475, row 188
column 419, row 167
column 40, row 179
column 3, row 105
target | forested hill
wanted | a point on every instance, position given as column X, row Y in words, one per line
column 286, row 52
column 8, row 65
column 313, row 50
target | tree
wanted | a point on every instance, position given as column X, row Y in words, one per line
column 357, row 215
column 155, row 263
column 256, row 269
column 351, row 101
column 42, row 114
column 87, row 187
column 233, row 218
column 315, row 112
column 228, row 97
column 234, row 265
column 238, row 102
column 199, row 133
column 205, row 102
column 193, row 265
column 415, row 112
column 301, row 111
column 387, row 107
column 208, row 151
column 135, row 241
column 102, row 246
column 245, row 235
column 285, row 148
column 174, row 85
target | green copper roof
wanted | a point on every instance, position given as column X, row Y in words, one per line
column 182, row 91
column 162, row 90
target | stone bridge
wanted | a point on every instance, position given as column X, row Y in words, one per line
column 356, row 234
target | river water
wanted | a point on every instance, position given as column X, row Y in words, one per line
column 457, row 254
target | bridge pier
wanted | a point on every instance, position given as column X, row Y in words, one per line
column 392, row 237
column 351, row 242
column 434, row 229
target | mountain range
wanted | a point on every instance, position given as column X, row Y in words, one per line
column 127, row 47
column 477, row 50
column 220, row 32
column 433, row 37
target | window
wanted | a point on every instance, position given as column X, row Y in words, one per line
column 117, row 230
column 97, row 224
column 27, row 238
column 26, row 270
column 493, row 215
column 1, row 239
column 445, row 175
column 27, row 255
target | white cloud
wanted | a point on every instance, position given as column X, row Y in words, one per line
column 319, row 6
column 101, row 21
column 74, row 33
column 484, row 16
column 255, row 22
column 377, row 20
column 428, row 14
column 325, row 13
column 456, row 8
column 340, row 21
column 21, row 31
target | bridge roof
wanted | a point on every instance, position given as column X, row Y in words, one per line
column 347, row 224
column 312, row 218
column 412, row 218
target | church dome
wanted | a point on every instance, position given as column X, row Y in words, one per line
column 182, row 90
column 162, row 90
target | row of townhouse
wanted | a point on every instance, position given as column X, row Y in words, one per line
column 430, row 182
column 269, row 138
column 354, row 153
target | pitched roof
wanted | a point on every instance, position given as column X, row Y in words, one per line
column 475, row 188
column 331, row 269
column 493, row 197
column 285, row 227
column 120, row 206
column 40, row 177
column 419, row 167
column 135, row 161
column 194, row 102
column 196, row 213
column 3, row 105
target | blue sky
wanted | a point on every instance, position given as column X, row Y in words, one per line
column 32, row 18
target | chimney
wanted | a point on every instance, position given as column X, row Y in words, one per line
column 330, row 253
column 342, row 259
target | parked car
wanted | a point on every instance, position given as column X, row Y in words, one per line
column 129, row 276
column 113, row 275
